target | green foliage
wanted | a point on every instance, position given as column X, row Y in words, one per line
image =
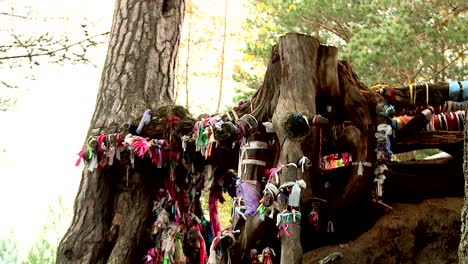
column 224, row 209
column 41, row 252
column 44, row 249
column 8, row 249
column 388, row 42
column 247, row 80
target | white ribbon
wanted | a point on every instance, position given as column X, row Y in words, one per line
column 361, row 165
column 385, row 128
column 427, row 94
column 145, row 119
column 111, row 154
column 295, row 195
column 271, row 188
column 93, row 164
column 380, row 169
column 243, row 157
column 379, row 180
column 427, row 113
column 330, row 228
column 184, row 139
column 304, row 163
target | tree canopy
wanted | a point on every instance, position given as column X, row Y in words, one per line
column 396, row 42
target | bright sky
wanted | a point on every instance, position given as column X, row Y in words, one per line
column 40, row 139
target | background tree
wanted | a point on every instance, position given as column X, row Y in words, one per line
column 205, row 20
column 111, row 208
column 387, row 42
column 8, row 248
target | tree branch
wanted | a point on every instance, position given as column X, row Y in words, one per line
column 52, row 52
column 26, row 17
column 329, row 29
column 450, row 63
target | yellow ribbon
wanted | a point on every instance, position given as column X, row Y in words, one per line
column 411, row 92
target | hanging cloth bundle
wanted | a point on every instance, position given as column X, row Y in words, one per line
column 295, row 195
column 250, row 195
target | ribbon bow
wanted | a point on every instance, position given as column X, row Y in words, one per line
column 361, row 165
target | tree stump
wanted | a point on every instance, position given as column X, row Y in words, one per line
column 299, row 67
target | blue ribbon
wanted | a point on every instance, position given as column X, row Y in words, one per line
column 465, row 90
column 454, row 91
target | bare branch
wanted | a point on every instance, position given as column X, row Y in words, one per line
column 8, row 85
column 14, row 15
column 52, row 52
column 31, row 18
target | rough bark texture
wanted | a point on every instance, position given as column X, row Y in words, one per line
column 429, row 139
column 463, row 247
column 305, row 66
column 302, row 78
column 112, row 206
column 139, row 69
column 438, row 95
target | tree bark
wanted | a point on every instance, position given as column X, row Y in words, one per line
column 305, row 66
column 139, row 70
column 113, row 205
column 438, row 95
column 463, row 247
column 429, row 139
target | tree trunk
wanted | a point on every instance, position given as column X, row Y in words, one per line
column 306, row 66
column 463, row 247
column 113, row 205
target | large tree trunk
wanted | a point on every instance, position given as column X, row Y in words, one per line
column 463, row 248
column 113, row 205
column 306, row 67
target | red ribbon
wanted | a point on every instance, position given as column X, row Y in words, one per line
column 100, row 140
column 172, row 120
column 393, row 95
column 314, row 220
column 80, row 154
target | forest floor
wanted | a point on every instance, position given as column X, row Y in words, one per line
column 424, row 232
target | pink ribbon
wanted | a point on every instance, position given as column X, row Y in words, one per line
column 80, row 154
column 273, row 172
column 284, row 228
column 140, row 146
